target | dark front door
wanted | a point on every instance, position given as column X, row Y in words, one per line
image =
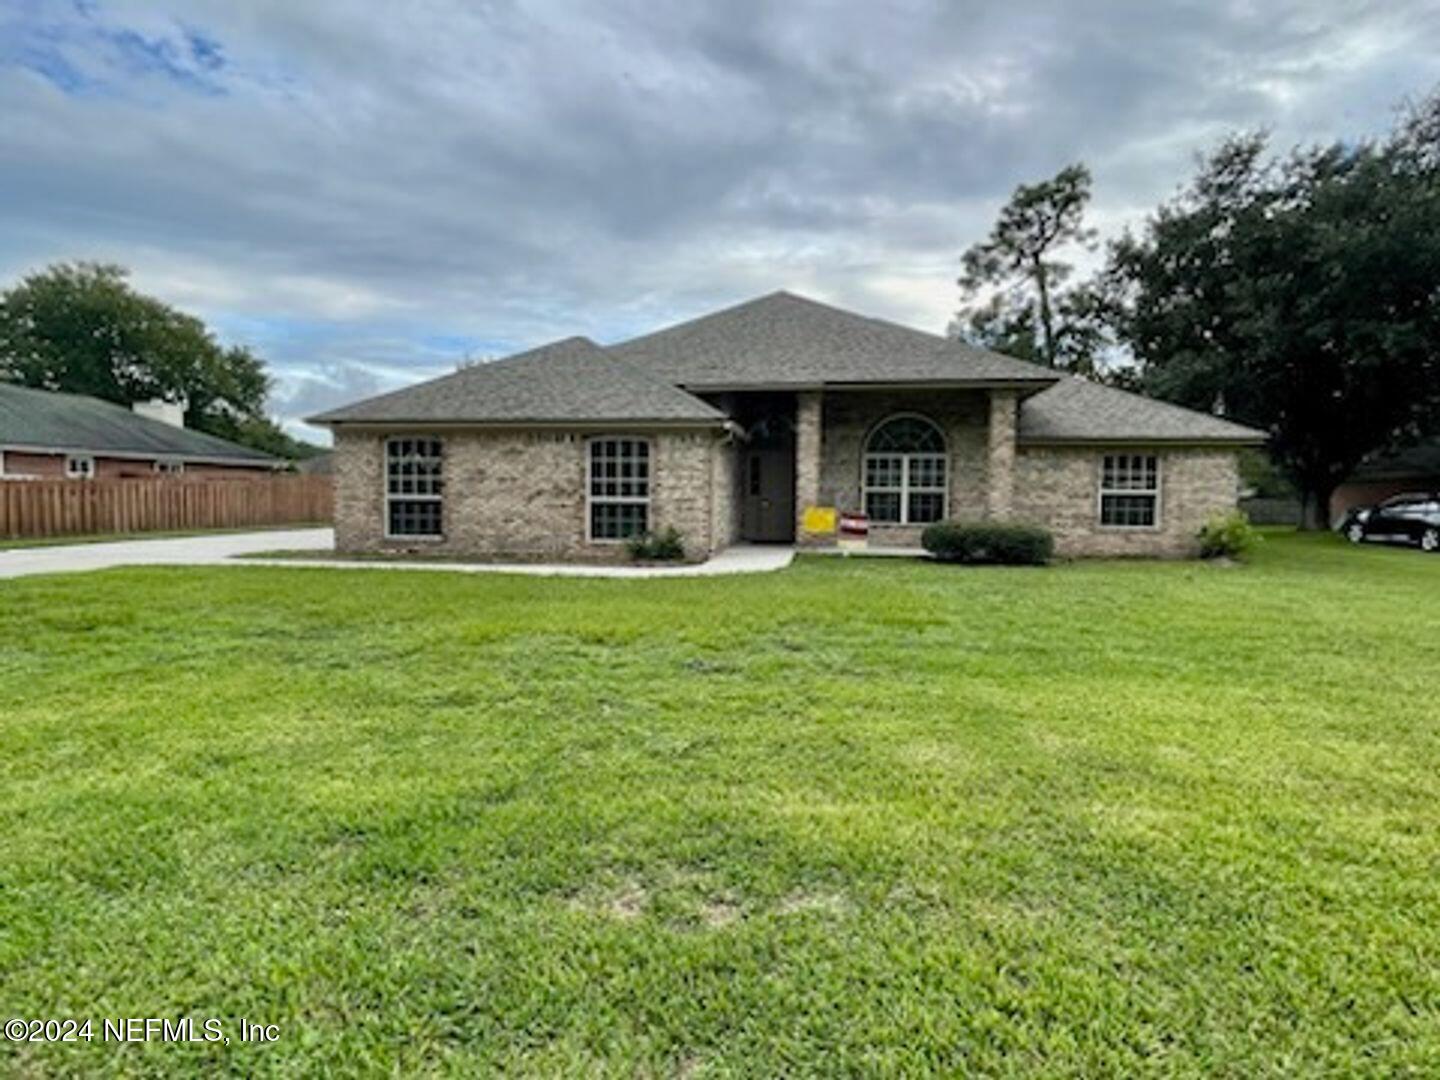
column 767, row 484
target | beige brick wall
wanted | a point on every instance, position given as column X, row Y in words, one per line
column 521, row 494
column 964, row 417
column 1058, row 487
column 682, row 487
column 725, row 494
column 1000, row 450
column 809, row 457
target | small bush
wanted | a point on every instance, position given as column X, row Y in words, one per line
column 1010, row 545
column 665, row 546
column 1228, row 536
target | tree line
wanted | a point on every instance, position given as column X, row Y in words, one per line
column 1297, row 292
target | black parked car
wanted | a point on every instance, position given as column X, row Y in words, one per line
column 1400, row 519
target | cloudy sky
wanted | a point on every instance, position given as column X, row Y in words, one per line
column 367, row 193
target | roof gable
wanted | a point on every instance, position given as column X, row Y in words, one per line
column 1078, row 410
column 48, row 420
column 572, row 380
column 783, row 341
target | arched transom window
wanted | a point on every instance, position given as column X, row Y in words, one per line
column 905, row 472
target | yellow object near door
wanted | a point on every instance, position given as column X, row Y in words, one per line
column 819, row 519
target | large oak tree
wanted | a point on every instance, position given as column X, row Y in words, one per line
column 1299, row 293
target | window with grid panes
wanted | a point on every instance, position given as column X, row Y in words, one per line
column 619, row 488
column 414, row 487
column 904, row 481
column 1130, row 491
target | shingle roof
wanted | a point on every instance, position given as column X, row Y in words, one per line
column 573, row 380
column 1421, row 461
column 42, row 419
column 776, row 341
column 783, row 340
column 1076, row 410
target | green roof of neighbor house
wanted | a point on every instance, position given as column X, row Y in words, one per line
column 1077, row 410
column 568, row 381
column 784, row 341
column 43, row 420
column 777, row 342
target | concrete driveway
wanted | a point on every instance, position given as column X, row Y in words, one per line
column 222, row 549
column 211, row 550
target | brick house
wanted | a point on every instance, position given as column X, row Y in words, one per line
column 731, row 426
column 52, row 436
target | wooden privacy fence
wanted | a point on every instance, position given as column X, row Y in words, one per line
column 31, row 508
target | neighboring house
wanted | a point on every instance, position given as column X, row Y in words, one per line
column 1416, row 469
column 51, row 436
column 734, row 426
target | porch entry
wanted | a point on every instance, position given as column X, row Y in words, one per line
column 767, row 482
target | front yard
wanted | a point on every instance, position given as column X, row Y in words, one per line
column 857, row 817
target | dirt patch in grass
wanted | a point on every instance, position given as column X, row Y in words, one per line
column 625, row 902
column 720, row 913
column 822, row 902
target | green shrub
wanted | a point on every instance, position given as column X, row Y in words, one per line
column 1011, row 545
column 665, row 546
column 1229, row 536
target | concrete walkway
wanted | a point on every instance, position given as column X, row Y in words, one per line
column 223, row 549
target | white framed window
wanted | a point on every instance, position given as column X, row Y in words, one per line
column 904, row 481
column 414, row 488
column 80, row 467
column 1130, row 491
column 617, row 486
column 168, row 466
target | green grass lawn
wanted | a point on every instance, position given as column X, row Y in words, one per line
column 859, row 817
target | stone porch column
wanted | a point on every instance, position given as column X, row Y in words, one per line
column 807, row 458
column 1000, row 460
